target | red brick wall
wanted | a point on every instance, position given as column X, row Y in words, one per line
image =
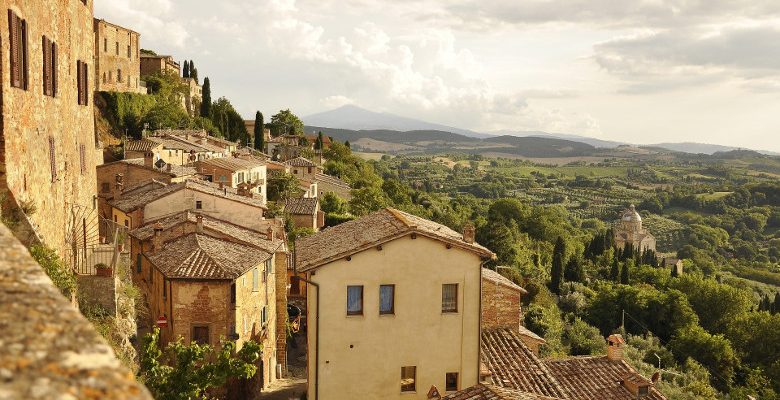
column 500, row 306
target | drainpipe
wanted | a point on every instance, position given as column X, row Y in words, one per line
column 316, row 322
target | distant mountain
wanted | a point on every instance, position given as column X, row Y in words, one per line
column 358, row 119
column 535, row 146
column 695, row 148
column 392, row 136
column 606, row 144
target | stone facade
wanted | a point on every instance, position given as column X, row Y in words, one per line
column 99, row 290
column 117, row 58
column 151, row 65
column 192, row 97
column 47, row 142
column 629, row 231
column 501, row 304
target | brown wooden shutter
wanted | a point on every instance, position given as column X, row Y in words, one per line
column 85, row 74
column 52, row 159
column 13, row 33
column 54, row 69
column 45, row 47
column 25, row 57
column 82, row 157
column 78, row 81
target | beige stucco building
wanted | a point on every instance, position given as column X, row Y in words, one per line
column 393, row 307
column 244, row 174
column 628, row 230
column 117, row 58
column 47, row 132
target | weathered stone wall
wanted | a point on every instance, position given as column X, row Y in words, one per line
column 47, row 348
column 154, row 65
column 501, row 307
column 30, row 119
column 280, row 270
column 131, row 175
column 249, row 303
column 117, row 58
column 98, row 290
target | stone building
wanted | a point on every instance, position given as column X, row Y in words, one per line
column 172, row 149
column 210, row 287
column 245, row 175
column 117, row 58
column 153, row 64
column 393, row 307
column 628, row 230
column 47, row 133
column 501, row 301
column 192, row 97
column 305, row 212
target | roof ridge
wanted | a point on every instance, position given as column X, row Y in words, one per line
column 398, row 214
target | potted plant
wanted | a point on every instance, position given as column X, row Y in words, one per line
column 103, row 270
column 120, row 242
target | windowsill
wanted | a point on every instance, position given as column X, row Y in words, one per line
column 386, row 315
column 411, row 392
column 354, row 315
column 449, row 313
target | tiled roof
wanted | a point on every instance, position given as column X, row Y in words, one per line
column 523, row 331
column 595, row 377
column 301, row 206
column 143, row 145
column 483, row 391
column 177, row 143
column 144, row 186
column 232, row 163
column 320, row 177
column 196, row 133
column 300, row 162
column 513, row 365
column 198, row 256
column 497, row 278
column 240, row 234
column 375, row 228
column 131, row 201
column 176, row 170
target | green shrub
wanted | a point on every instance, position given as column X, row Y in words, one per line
column 59, row 273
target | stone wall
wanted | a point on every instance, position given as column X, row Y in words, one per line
column 47, row 348
column 280, row 270
column 117, row 58
column 98, row 290
column 47, row 157
column 501, row 307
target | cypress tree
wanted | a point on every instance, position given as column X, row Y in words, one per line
column 194, row 72
column 777, row 303
column 624, row 273
column 574, row 271
column 614, row 273
column 674, row 271
column 259, row 138
column 347, row 144
column 185, row 73
column 556, row 272
column 205, row 105
column 318, row 143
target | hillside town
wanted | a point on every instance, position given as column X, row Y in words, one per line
column 238, row 254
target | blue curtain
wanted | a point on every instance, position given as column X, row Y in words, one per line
column 386, row 294
column 354, row 299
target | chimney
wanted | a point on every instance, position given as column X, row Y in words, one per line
column 615, row 347
column 157, row 238
column 221, row 185
column 637, row 385
column 468, row 233
column 149, row 159
column 169, row 167
column 118, row 187
column 199, row 224
column 270, row 232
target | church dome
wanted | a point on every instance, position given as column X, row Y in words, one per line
column 630, row 215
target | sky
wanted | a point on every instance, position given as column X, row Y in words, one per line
column 639, row 71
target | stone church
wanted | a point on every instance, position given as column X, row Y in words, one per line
column 628, row 229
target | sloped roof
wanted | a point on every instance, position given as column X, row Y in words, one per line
column 483, row 391
column 375, row 228
column 513, row 365
column 176, row 170
column 131, row 201
column 320, row 177
column 143, row 145
column 232, row 163
column 240, row 234
column 197, row 256
column 523, row 331
column 300, row 162
column 495, row 277
column 301, row 206
column 595, row 377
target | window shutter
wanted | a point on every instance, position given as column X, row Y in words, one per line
column 78, row 80
column 82, row 157
column 13, row 33
column 25, row 77
column 54, row 69
column 45, row 48
column 52, row 159
column 86, row 82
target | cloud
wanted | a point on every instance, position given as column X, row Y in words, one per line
column 152, row 18
column 336, row 101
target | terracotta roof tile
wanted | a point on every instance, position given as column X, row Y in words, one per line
column 595, row 377
column 198, row 256
column 143, row 145
column 131, row 201
column 301, row 206
column 483, row 391
column 176, row 170
column 231, row 163
column 300, row 162
column 320, row 177
column 513, row 365
column 375, row 228
column 523, row 331
column 495, row 277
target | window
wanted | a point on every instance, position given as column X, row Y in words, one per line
column 264, row 316
column 265, row 273
column 198, row 204
column 200, row 334
column 387, row 299
column 408, row 378
column 255, row 278
column 105, row 45
column 119, row 75
column 52, row 159
column 105, row 187
column 117, row 48
column 295, row 285
column 83, row 158
column 128, row 52
column 269, row 264
column 233, row 293
column 449, row 298
column 49, row 49
column 165, row 289
column 451, row 382
column 82, row 81
column 354, row 300
column 138, row 264
column 18, row 42
column 643, row 391
column 127, row 223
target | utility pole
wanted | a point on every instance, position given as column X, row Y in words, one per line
column 623, row 321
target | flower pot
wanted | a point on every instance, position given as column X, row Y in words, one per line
column 104, row 271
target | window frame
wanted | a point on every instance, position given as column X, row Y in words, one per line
column 405, row 388
column 391, row 311
column 447, row 386
column 449, row 310
column 201, row 326
column 362, row 295
column 18, row 51
column 255, row 279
